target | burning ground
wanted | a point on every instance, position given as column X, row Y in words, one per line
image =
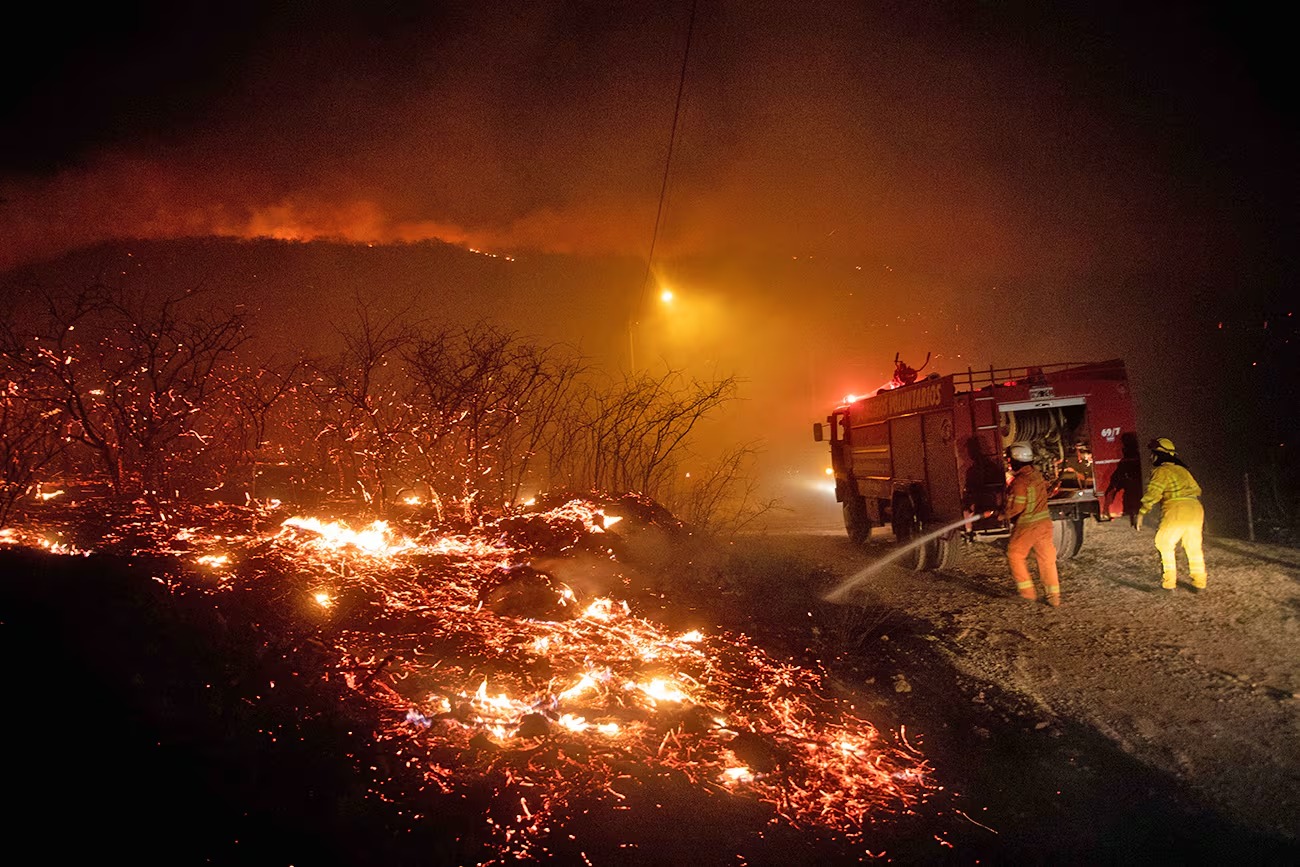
column 308, row 689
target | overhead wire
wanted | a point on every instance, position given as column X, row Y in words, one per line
column 672, row 141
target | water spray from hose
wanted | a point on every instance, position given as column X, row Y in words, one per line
column 840, row 593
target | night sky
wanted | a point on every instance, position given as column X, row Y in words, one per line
column 994, row 183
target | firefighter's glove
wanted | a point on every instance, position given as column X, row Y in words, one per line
column 1137, row 522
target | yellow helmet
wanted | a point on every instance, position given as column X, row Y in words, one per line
column 1163, row 445
column 1022, row 452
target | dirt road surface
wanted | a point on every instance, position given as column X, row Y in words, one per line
column 1131, row 723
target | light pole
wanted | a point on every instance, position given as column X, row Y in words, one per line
column 631, row 345
column 666, row 298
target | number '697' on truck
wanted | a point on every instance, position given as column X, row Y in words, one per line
column 923, row 457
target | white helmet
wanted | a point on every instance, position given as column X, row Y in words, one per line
column 1021, row 452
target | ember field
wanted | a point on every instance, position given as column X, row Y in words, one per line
column 591, row 683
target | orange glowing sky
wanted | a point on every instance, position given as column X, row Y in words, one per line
column 978, row 143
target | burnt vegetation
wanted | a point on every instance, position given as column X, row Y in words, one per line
column 172, row 398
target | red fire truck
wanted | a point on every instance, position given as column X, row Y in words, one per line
column 922, row 457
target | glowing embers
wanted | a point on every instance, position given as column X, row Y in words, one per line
column 712, row 710
column 463, row 546
column 579, row 724
column 593, row 704
column 736, row 775
column 31, row 538
column 591, row 516
column 661, row 690
column 605, row 609
column 547, row 714
column 377, row 540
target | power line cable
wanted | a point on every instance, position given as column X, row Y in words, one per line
column 672, row 140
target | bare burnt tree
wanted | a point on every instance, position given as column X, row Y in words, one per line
column 30, row 439
column 489, row 401
column 280, row 431
column 553, row 377
column 257, row 392
column 304, row 429
column 435, row 368
column 132, row 373
column 364, row 403
column 166, row 367
column 629, row 435
column 40, row 336
column 720, row 498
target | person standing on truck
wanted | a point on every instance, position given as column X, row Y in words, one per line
column 1182, row 518
column 1027, row 508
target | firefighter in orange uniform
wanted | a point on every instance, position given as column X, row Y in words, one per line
column 1027, row 507
column 1182, row 519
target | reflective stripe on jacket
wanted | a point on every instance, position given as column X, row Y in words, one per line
column 1027, row 498
column 1169, row 482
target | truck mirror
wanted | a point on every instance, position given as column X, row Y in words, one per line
column 817, row 431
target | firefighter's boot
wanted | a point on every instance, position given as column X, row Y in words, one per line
column 1169, row 581
column 1052, row 588
column 1198, row 583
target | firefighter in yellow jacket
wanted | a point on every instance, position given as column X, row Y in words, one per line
column 1182, row 519
column 1027, row 507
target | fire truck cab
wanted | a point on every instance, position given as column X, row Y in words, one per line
column 928, row 460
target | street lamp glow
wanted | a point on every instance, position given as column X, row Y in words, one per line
column 666, row 296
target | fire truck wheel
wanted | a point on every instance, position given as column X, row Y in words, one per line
column 947, row 550
column 907, row 529
column 1067, row 536
column 856, row 521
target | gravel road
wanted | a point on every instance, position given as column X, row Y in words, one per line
column 1130, row 720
